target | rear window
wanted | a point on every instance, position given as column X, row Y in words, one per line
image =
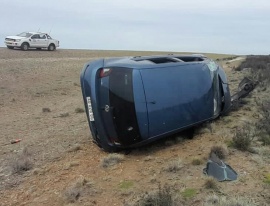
column 121, row 84
column 122, row 102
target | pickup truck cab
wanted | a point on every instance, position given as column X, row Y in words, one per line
column 28, row 40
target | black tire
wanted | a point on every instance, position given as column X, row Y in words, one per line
column 25, row 46
column 10, row 47
column 51, row 47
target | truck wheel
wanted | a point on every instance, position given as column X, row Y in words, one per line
column 24, row 46
column 10, row 47
column 51, row 47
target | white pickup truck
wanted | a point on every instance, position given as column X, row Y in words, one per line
column 28, row 40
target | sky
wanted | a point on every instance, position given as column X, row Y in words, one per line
column 211, row 26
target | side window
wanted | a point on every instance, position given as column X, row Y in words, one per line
column 42, row 36
column 48, row 36
column 35, row 36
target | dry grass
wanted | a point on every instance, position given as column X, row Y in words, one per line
column 211, row 184
column 72, row 194
column 79, row 110
column 205, row 128
column 259, row 67
column 46, row 110
column 81, row 187
column 220, row 151
column 174, row 166
column 243, row 137
column 197, row 161
column 22, row 162
column 74, row 148
column 21, row 165
column 112, row 159
column 163, row 197
column 64, row 114
column 263, row 125
column 264, row 152
column 214, row 200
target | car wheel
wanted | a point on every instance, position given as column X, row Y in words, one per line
column 25, row 46
column 10, row 47
column 51, row 47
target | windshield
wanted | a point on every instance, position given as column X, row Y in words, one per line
column 24, row 34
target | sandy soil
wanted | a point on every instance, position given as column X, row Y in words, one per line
column 59, row 145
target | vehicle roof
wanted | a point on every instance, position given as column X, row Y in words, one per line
column 33, row 32
column 156, row 61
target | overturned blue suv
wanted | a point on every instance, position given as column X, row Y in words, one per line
column 132, row 101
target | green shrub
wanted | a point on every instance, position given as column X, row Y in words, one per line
column 189, row 193
column 126, row 184
column 267, row 178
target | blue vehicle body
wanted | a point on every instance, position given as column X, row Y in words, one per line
column 131, row 101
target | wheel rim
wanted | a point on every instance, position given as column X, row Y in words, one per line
column 51, row 47
column 25, row 47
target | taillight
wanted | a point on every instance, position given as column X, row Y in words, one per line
column 104, row 72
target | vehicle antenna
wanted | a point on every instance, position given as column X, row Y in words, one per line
column 50, row 30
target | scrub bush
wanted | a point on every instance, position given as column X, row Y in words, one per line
column 263, row 125
column 243, row 137
column 220, row 151
column 112, row 159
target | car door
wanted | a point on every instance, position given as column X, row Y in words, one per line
column 34, row 40
column 43, row 41
column 177, row 97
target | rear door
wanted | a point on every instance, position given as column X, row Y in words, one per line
column 177, row 97
column 43, row 41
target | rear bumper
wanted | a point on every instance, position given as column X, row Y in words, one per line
column 96, row 125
